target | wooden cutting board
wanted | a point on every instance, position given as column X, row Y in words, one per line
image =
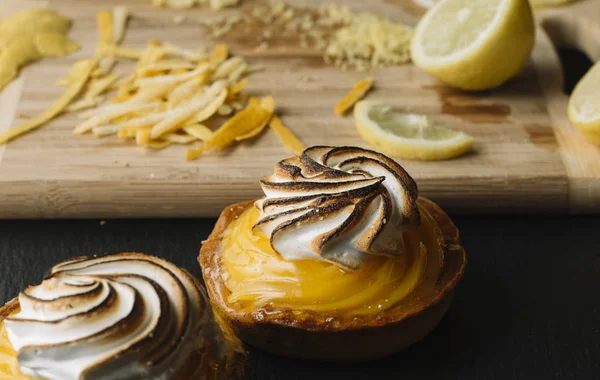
column 527, row 157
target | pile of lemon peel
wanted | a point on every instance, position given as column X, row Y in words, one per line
column 170, row 95
column 166, row 100
column 173, row 92
column 29, row 36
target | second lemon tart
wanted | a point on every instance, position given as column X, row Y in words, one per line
column 340, row 260
column 123, row 316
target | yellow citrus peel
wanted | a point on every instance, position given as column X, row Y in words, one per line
column 31, row 35
column 120, row 17
column 238, row 87
column 85, row 103
column 142, row 136
column 210, row 109
column 121, row 52
column 357, row 93
column 250, row 135
column 99, row 86
column 56, row 108
column 106, row 130
column 247, row 120
column 105, row 28
column 286, row 136
column 219, row 55
column 200, row 131
column 192, row 154
column 158, row 145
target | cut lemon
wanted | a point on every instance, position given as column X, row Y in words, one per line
column 407, row 136
column 474, row 44
column 584, row 105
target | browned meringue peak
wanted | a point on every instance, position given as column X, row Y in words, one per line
column 338, row 205
column 124, row 316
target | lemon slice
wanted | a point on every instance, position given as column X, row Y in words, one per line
column 406, row 135
column 584, row 105
column 474, row 44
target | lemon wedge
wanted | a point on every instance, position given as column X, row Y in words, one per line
column 584, row 105
column 474, row 44
column 407, row 135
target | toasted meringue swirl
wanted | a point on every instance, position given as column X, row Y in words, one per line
column 338, row 205
column 124, row 316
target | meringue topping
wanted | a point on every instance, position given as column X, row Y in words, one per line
column 338, row 205
column 124, row 316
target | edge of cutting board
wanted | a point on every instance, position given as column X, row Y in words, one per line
column 573, row 25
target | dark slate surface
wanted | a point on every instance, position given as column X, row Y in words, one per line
column 528, row 306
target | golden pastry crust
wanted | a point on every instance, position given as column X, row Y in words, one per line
column 9, row 308
column 316, row 335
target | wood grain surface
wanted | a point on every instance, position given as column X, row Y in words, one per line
column 527, row 157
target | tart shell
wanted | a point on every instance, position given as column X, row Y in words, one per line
column 8, row 308
column 314, row 335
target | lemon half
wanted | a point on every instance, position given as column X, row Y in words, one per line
column 474, row 44
column 407, row 135
column 584, row 104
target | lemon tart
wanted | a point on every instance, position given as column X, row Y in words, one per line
column 340, row 261
column 123, row 316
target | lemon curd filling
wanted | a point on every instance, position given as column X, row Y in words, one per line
column 258, row 277
column 9, row 366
